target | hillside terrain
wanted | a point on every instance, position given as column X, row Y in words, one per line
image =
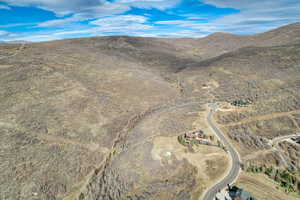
column 98, row 118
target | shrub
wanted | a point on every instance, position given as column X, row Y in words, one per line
column 183, row 141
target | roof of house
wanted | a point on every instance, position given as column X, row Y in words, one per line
column 237, row 193
column 246, row 195
column 195, row 133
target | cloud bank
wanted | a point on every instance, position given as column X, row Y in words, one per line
column 161, row 18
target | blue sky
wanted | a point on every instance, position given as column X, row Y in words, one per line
column 43, row 20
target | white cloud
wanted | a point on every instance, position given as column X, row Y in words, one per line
column 106, row 9
column 114, row 25
column 196, row 18
column 86, row 10
column 58, row 22
column 183, row 33
column 159, row 4
column 75, row 32
column 120, row 20
column 254, row 4
column 122, row 23
column 170, row 22
column 255, row 16
column 81, row 10
column 5, row 7
column 60, row 7
column 5, row 34
column 35, row 38
column 45, row 35
column 237, row 4
column 16, row 25
column 92, row 8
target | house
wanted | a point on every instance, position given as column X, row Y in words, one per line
column 236, row 193
column 197, row 135
column 204, row 141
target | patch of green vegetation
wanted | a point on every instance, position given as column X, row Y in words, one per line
column 183, row 141
column 241, row 102
column 289, row 181
column 81, row 196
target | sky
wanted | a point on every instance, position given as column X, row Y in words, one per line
column 44, row 20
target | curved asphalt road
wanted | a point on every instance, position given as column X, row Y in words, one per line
column 235, row 170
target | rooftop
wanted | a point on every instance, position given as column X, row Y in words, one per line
column 239, row 194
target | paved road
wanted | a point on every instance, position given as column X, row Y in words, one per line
column 234, row 171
